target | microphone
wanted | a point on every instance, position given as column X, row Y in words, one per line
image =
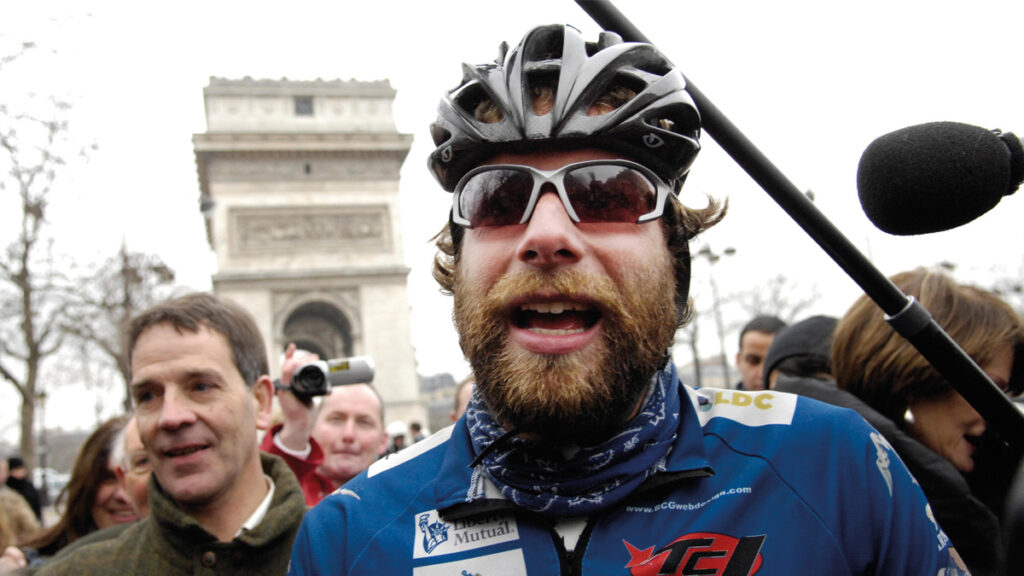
column 937, row 176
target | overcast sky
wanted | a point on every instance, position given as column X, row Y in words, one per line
column 810, row 83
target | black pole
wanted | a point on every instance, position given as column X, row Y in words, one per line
column 907, row 316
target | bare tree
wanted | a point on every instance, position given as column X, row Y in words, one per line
column 689, row 336
column 34, row 148
column 109, row 297
column 778, row 296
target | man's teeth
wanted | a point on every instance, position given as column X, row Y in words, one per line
column 184, row 451
column 553, row 307
column 548, row 331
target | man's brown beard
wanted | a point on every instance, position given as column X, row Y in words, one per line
column 585, row 396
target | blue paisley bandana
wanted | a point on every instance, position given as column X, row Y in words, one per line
column 538, row 476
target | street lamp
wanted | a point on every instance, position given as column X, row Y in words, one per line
column 712, row 258
column 43, row 448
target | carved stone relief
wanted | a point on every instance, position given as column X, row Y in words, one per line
column 247, row 169
column 257, row 231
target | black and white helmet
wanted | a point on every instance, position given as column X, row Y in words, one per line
column 659, row 127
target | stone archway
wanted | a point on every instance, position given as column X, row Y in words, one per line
column 321, row 328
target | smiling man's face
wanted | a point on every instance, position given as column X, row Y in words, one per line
column 197, row 417
column 564, row 323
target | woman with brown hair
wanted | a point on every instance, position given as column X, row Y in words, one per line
column 963, row 471
column 92, row 499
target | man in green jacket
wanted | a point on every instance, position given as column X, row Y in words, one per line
column 217, row 505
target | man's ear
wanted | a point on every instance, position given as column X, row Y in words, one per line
column 383, row 443
column 263, row 401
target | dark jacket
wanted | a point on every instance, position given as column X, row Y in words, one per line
column 971, row 526
column 172, row 542
column 29, row 492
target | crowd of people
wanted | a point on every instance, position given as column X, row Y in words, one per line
column 574, row 445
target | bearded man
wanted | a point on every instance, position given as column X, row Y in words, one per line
column 581, row 452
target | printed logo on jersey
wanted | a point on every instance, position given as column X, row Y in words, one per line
column 434, row 533
column 435, row 537
column 882, row 449
column 652, row 140
column 508, row 563
column 750, row 408
column 698, row 554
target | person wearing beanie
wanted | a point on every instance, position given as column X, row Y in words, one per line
column 19, row 481
column 803, row 349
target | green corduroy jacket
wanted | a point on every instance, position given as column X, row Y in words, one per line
column 171, row 542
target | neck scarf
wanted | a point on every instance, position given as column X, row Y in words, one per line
column 539, row 476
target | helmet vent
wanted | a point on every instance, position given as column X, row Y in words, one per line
column 656, row 66
column 678, row 119
column 632, row 83
column 439, row 134
column 545, row 44
column 543, row 88
column 472, row 98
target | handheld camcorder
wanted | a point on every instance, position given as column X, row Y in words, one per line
column 316, row 378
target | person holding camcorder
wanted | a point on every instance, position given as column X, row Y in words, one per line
column 326, row 443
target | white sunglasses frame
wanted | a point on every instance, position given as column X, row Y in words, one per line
column 557, row 179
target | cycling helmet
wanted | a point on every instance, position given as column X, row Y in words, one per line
column 658, row 127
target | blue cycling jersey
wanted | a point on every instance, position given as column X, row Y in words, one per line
column 757, row 483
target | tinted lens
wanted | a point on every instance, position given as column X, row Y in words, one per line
column 610, row 193
column 496, row 197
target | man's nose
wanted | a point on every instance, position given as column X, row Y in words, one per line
column 551, row 237
column 348, row 430
column 176, row 411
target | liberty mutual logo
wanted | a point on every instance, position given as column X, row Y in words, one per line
column 434, row 533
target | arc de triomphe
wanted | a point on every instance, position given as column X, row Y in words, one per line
column 299, row 184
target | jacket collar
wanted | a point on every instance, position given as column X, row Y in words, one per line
column 182, row 531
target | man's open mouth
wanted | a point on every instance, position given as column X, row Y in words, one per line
column 556, row 317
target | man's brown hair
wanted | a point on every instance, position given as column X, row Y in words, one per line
column 192, row 311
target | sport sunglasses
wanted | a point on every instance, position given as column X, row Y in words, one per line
column 591, row 191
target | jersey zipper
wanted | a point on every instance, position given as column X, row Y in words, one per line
column 571, row 562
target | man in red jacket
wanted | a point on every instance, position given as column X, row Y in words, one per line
column 326, row 446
